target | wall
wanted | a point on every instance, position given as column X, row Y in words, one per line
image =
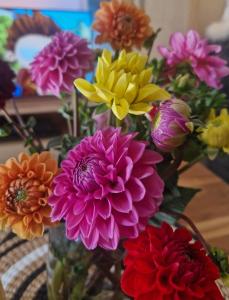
column 181, row 15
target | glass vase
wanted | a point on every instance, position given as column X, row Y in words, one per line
column 75, row 273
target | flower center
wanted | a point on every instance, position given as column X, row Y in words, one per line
column 22, row 192
column 83, row 176
column 20, row 195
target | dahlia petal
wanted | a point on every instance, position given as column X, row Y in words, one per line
column 79, row 206
column 129, row 219
column 73, row 221
column 177, row 42
column 136, row 150
column 143, row 171
column 90, row 213
column 122, row 202
column 59, row 190
column 130, row 232
column 136, row 188
column 126, row 173
column 116, row 186
column 91, row 241
column 151, row 157
column 104, row 208
column 85, row 228
column 59, row 210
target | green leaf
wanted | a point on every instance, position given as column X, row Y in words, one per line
column 54, row 142
column 101, row 108
column 221, row 260
column 64, row 111
column 5, row 131
column 193, row 149
column 176, row 199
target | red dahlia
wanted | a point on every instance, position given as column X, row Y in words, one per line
column 163, row 264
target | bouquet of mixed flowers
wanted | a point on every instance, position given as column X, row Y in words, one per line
column 112, row 180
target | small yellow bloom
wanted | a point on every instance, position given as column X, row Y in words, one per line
column 216, row 132
column 122, row 84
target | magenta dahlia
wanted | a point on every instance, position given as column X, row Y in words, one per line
column 63, row 60
column 107, row 190
column 202, row 57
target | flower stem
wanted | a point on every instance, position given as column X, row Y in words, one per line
column 118, row 123
column 191, row 163
column 76, row 119
column 23, row 126
column 152, row 44
column 13, row 124
column 193, row 226
column 169, row 172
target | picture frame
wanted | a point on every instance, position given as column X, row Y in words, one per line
column 76, row 5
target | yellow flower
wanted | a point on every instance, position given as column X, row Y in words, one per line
column 216, row 132
column 122, row 84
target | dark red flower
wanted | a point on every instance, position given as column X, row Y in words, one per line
column 163, row 264
column 7, row 86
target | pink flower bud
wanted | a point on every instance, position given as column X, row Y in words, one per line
column 171, row 124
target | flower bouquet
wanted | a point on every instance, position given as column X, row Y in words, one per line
column 108, row 189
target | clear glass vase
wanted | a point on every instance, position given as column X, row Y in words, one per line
column 75, row 273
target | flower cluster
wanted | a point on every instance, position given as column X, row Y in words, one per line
column 123, row 84
column 107, row 189
column 67, row 57
column 166, row 264
column 200, row 55
column 120, row 160
column 25, row 185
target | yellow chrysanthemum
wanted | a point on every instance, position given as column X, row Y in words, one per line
column 123, row 84
column 216, row 132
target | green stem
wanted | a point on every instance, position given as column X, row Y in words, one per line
column 76, row 119
column 191, row 163
column 28, row 132
column 152, row 44
column 118, row 123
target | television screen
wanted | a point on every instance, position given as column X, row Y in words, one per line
column 26, row 26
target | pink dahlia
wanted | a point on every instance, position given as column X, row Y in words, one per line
column 107, row 190
column 202, row 57
column 63, row 60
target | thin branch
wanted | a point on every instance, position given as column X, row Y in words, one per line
column 152, row 44
column 13, row 124
column 192, row 163
column 27, row 132
column 192, row 225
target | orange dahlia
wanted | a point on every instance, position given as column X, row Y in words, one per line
column 25, row 185
column 121, row 24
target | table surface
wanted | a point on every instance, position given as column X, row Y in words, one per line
column 22, row 263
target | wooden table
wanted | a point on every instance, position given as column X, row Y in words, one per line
column 209, row 209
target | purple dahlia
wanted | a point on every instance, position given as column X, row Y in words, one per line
column 64, row 59
column 107, row 190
